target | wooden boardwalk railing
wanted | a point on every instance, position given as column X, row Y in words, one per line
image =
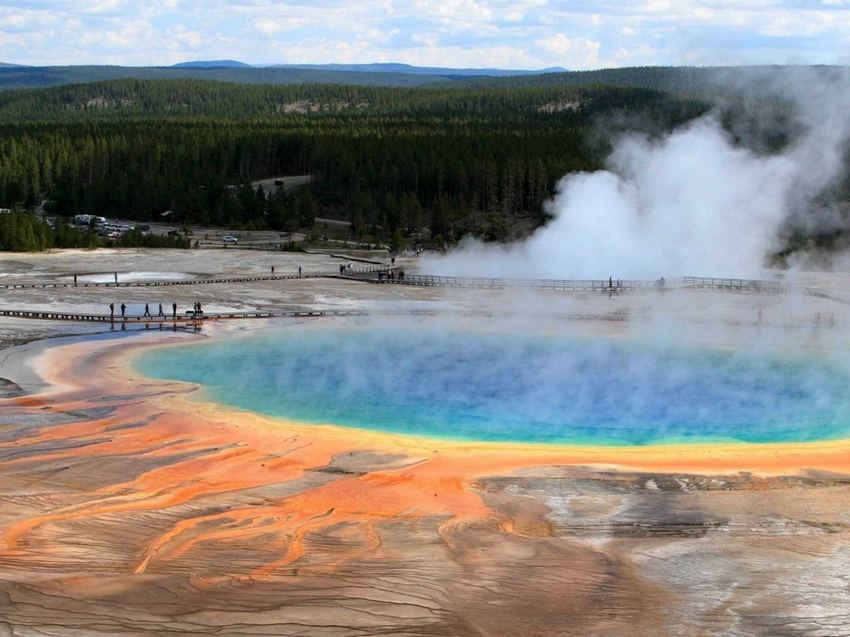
column 188, row 317
column 207, row 281
column 571, row 285
column 394, row 276
column 152, row 284
column 738, row 285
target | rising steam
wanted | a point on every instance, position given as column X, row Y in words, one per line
column 694, row 202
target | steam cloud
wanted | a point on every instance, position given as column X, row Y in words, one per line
column 695, row 202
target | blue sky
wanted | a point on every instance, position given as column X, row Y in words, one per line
column 577, row 34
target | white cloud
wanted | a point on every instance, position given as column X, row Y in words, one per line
column 462, row 10
column 574, row 53
column 186, row 37
column 515, row 33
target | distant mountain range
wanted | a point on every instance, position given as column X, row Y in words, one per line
column 378, row 67
column 678, row 79
column 211, row 64
column 19, row 76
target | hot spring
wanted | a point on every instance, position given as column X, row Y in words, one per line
column 502, row 386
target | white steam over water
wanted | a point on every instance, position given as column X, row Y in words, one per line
column 693, row 203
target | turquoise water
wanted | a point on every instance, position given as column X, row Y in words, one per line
column 510, row 387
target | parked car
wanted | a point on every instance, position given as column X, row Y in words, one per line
column 230, row 239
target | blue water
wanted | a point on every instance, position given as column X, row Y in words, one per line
column 510, row 387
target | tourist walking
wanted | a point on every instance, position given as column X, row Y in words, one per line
column 115, row 274
column 75, row 280
column 299, row 270
column 161, row 313
column 148, row 311
column 123, row 310
column 112, row 310
column 272, row 270
column 174, row 309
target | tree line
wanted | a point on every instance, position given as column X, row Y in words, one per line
column 423, row 164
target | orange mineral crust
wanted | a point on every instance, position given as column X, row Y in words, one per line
column 131, row 506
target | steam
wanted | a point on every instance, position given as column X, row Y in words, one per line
column 694, row 202
column 666, row 364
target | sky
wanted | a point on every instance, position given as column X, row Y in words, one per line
column 519, row 34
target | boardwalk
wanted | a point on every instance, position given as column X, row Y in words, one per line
column 565, row 285
column 188, row 317
column 381, row 275
column 156, row 284
column 736, row 285
column 755, row 286
column 352, row 273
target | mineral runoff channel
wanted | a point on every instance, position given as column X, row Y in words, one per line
column 130, row 506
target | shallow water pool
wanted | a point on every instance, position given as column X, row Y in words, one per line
column 502, row 386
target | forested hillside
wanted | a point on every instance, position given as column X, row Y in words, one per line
column 43, row 76
column 401, row 164
column 123, row 99
column 676, row 79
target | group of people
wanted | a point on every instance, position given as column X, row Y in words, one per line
column 391, row 275
column 197, row 309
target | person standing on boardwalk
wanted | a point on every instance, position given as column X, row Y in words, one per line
column 174, row 309
column 111, row 311
column 123, row 310
column 115, row 274
column 148, row 311
column 272, row 270
column 299, row 270
column 75, row 280
column 161, row 313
